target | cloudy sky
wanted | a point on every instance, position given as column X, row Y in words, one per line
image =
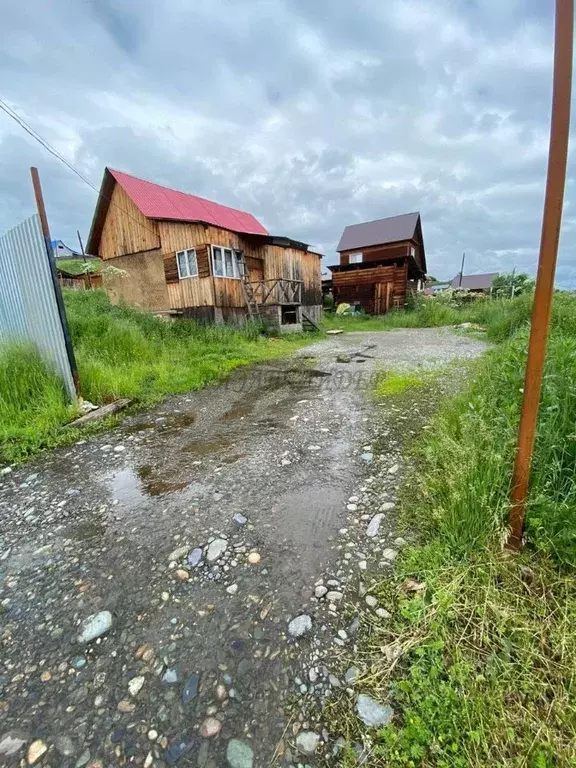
column 311, row 114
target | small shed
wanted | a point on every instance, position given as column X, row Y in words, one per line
column 481, row 283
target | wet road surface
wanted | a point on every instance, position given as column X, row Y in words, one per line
column 255, row 475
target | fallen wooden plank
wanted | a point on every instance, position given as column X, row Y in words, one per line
column 100, row 413
column 335, row 332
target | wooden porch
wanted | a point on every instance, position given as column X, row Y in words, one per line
column 277, row 291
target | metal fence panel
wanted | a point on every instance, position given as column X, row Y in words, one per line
column 28, row 308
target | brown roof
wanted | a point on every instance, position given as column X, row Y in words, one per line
column 474, row 282
column 389, row 230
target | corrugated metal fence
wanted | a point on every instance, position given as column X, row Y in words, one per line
column 28, row 308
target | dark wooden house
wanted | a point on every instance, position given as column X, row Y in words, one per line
column 379, row 262
column 181, row 253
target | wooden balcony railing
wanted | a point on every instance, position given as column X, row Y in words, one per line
column 277, row 291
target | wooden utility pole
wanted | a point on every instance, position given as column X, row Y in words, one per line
column 84, row 257
column 57, row 291
column 552, row 218
column 462, row 270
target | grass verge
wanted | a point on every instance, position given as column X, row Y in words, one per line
column 121, row 352
column 479, row 657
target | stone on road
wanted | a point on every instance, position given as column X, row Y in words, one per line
column 216, row 549
column 95, row 626
column 239, row 754
column 372, row 713
column 300, row 625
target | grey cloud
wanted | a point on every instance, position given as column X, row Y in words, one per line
column 310, row 115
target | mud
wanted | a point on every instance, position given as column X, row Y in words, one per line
column 91, row 528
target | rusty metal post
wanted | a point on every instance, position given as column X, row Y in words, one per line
column 541, row 312
column 57, row 290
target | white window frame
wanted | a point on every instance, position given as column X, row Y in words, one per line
column 233, row 262
column 413, row 251
column 187, row 264
column 356, row 258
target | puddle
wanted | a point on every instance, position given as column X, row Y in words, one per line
column 131, row 487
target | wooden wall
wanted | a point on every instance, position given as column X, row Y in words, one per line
column 143, row 285
column 369, row 287
column 378, row 252
column 294, row 264
column 125, row 229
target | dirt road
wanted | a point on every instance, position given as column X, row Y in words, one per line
column 252, row 479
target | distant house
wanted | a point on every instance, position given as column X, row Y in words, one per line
column 188, row 255
column 474, row 283
column 62, row 251
column 379, row 261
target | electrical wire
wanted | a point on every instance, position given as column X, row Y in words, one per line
column 47, row 146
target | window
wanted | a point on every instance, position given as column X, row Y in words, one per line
column 225, row 262
column 187, row 263
column 355, row 258
column 412, row 251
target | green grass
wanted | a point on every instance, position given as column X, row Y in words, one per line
column 501, row 317
column 121, row 352
column 487, row 668
column 78, row 266
column 391, row 383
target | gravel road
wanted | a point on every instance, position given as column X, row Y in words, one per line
column 194, row 534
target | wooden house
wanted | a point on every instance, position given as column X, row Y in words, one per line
column 183, row 254
column 379, row 261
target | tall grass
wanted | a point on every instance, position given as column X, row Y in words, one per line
column 121, row 352
column 485, row 646
column 33, row 402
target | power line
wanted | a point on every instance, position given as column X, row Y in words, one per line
column 35, row 135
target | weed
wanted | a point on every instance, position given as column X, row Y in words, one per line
column 391, row 383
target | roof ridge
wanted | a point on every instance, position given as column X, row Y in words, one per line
column 384, row 218
column 178, row 191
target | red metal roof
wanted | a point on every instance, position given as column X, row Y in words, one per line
column 157, row 202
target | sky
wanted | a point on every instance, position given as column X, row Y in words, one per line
column 310, row 114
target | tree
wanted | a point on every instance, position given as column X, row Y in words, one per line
column 512, row 284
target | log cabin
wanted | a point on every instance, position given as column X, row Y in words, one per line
column 181, row 254
column 379, row 262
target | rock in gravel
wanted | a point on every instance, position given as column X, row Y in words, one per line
column 35, row 751
column 126, row 707
column 320, row 591
column 178, row 750
column 211, row 726
column 372, row 713
column 307, row 741
column 371, row 601
column 239, row 519
column 393, row 469
column 170, row 676
column 5, row 470
column 382, row 613
column 399, row 542
column 95, row 626
column 232, row 589
column 367, row 457
column 254, row 558
column 388, row 506
column 343, row 359
column 334, row 596
column 374, row 525
column 190, row 689
column 351, row 674
column 389, row 554
column 300, row 625
column 182, row 574
column 65, row 745
column 195, row 557
column 216, row 549
column 179, row 553
column 239, row 754
column 135, row 685
column 10, row 743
